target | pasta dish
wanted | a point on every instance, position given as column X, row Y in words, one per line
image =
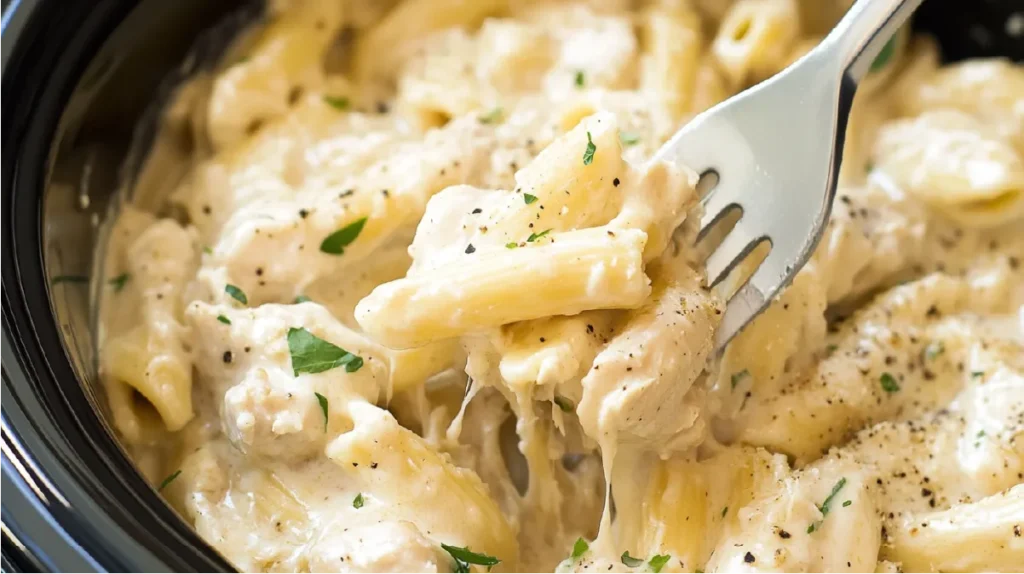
column 399, row 288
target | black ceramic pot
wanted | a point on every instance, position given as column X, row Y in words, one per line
column 79, row 78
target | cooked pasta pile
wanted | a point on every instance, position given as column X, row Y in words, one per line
column 400, row 288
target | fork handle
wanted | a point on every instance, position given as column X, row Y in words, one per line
column 862, row 33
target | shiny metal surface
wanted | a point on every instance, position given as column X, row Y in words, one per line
column 776, row 149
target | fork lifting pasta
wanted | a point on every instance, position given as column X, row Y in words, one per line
column 415, row 298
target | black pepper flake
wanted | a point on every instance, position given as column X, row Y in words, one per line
column 384, row 192
column 784, row 535
column 373, row 465
column 346, row 193
column 382, row 108
column 259, row 271
column 477, row 211
column 616, row 182
column 749, row 558
column 227, row 356
column 470, row 248
column 303, row 213
column 207, row 210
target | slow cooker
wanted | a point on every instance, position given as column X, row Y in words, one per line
column 83, row 83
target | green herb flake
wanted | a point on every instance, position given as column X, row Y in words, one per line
column 737, row 377
column 847, row 503
column 207, row 250
column 69, row 279
column 358, row 501
column 236, row 294
column 981, row 433
column 119, row 282
column 565, row 404
column 336, row 242
column 492, row 116
column 535, row 236
column 657, row 562
column 826, row 506
column 464, row 557
column 580, row 79
column 302, row 299
column 629, row 138
column 579, row 548
column 340, row 103
column 167, row 481
column 725, row 511
column 933, row 350
column 889, row 383
column 588, row 154
column 830, row 349
column 977, row 374
column 885, row 55
column 511, row 245
column 323, row 407
column 630, row 561
column 528, row 198
column 224, row 319
column 311, row 354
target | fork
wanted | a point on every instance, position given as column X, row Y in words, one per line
column 776, row 150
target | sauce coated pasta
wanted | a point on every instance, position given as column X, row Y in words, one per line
column 399, row 289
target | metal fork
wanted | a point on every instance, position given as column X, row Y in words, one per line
column 776, row 149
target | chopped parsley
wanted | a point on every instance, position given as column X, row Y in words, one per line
column 323, row 407
column 236, row 294
column 224, row 319
column 170, row 478
column 981, row 433
column 885, row 55
column 464, row 557
column 657, row 562
column 629, row 138
column 69, row 279
column 977, row 374
column 565, row 404
column 511, row 245
column 830, row 349
column 579, row 548
column 580, row 79
column 737, row 377
column 339, row 103
column 588, row 154
column 630, row 561
column 311, row 354
column 492, row 116
column 358, row 501
column 535, row 236
column 889, row 383
column 933, row 350
column 725, row 511
column 826, row 506
column 529, row 198
column 302, row 299
column 207, row 250
column 847, row 503
column 118, row 282
column 336, row 242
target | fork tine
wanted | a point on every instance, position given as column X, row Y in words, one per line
column 752, row 296
column 715, row 204
column 736, row 245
